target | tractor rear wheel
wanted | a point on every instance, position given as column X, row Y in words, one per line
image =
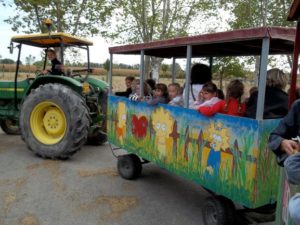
column 54, row 121
column 10, row 127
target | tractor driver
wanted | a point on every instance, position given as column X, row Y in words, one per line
column 57, row 66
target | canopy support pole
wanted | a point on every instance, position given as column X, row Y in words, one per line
column 262, row 78
column 187, row 76
column 110, row 73
column 173, row 70
column 142, row 73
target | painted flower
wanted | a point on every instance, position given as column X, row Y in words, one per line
column 139, row 126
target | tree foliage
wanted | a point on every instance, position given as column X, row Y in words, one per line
column 227, row 67
column 78, row 17
column 29, row 59
column 256, row 13
column 7, row 61
column 148, row 20
column 142, row 21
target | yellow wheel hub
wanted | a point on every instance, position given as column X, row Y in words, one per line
column 48, row 123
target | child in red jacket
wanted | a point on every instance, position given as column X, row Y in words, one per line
column 232, row 105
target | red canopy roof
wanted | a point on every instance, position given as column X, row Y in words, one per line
column 294, row 12
column 242, row 42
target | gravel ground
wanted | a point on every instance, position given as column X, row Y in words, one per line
column 86, row 190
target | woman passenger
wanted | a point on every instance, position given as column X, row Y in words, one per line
column 276, row 99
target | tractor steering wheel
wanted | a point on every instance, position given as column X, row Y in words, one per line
column 38, row 73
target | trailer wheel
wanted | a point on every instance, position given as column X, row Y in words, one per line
column 10, row 127
column 218, row 211
column 129, row 166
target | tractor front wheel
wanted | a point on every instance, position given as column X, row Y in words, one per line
column 54, row 121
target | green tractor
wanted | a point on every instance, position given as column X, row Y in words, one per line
column 55, row 114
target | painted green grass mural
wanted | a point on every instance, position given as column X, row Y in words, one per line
column 225, row 154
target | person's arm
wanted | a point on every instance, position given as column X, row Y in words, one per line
column 124, row 93
column 280, row 139
column 211, row 110
column 134, row 97
column 155, row 101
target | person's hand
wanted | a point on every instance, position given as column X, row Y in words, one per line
column 44, row 71
column 289, row 146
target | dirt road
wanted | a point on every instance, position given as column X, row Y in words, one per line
column 86, row 190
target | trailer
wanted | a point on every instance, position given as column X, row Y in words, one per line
column 180, row 140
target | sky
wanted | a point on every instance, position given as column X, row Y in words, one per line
column 98, row 52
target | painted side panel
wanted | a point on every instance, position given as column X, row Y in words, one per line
column 225, row 154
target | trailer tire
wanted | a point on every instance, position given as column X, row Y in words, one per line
column 129, row 166
column 218, row 210
column 9, row 127
column 54, row 121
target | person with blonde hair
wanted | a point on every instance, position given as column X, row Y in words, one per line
column 175, row 96
column 276, row 99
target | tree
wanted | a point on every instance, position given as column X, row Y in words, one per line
column 257, row 13
column 39, row 64
column 106, row 65
column 29, row 59
column 7, row 61
column 226, row 67
column 164, row 68
column 150, row 20
column 78, row 17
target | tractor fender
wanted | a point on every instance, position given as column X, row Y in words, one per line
column 75, row 85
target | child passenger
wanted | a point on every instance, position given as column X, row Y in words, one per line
column 174, row 91
column 136, row 89
column 208, row 96
column 232, row 105
column 160, row 94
